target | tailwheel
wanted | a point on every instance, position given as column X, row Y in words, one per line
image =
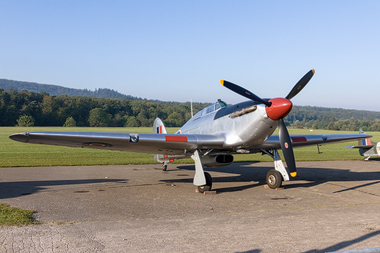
column 274, row 179
column 208, row 185
column 164, row 167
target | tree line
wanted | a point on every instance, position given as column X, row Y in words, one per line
column 26, row 108
column 333, row 119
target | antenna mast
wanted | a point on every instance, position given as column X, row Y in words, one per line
column 191, row 106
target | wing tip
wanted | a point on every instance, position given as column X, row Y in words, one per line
column 21, row 137
column 222, row 82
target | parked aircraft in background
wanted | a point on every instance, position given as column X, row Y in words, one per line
column 211, row 137
column 367, row 148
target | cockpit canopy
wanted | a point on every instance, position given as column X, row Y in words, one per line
column 211, row 108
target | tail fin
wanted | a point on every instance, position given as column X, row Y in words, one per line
column 364, row 142
column 158, row 127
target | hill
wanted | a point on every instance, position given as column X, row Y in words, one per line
column 26, row 98
column 55, row 90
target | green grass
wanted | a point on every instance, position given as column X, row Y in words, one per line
column 16, row 154
column 10, row 216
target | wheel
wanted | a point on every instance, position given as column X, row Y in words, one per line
column 208, row 185
column 274, row 179
column 164, row 167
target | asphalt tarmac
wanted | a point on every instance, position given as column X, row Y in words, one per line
column 331, row 206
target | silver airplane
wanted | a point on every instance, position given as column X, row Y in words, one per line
column 211, row 137
column 367, row 148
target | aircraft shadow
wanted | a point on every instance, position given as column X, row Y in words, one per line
column 243, row 172
column 243, row 175
column 345, row 244
column 17, row 189
column 251, row 251
column 338, row 246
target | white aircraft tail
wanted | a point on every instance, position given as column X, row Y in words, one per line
column 158, row 127
column 366, row 147
column 365, row 143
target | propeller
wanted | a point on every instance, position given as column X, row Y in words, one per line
column 278, row 109
column 287, row 148
column 301, row 83
column 245, row 93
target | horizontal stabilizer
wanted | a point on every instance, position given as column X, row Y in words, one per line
column 361, row 146
column 314, row 139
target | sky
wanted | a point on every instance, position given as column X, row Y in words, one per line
column 179, row 50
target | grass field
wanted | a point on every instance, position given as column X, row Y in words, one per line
column 16, row 154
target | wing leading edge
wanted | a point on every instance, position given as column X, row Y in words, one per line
column 169, row 144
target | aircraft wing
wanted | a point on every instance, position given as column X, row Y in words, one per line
column 169, row 144
column 313, row 139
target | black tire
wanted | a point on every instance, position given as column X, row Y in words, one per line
column 208, row 185
column 164, row 167
column 274, row 179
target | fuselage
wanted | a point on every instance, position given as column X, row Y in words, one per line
column 374, row 151
column 243, row 125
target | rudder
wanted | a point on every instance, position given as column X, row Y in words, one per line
column 158, row 127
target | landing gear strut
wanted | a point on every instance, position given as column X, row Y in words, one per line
column 201, row 179
column 208, row 185
column 275, row 177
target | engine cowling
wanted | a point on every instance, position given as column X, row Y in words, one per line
column 217, row 160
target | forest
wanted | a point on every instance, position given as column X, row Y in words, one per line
column 333, row 119
column 56, row 90
column 26, row 108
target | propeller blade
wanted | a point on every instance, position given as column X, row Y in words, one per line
column 245, row 93
column 287, row 148
column 301, row 84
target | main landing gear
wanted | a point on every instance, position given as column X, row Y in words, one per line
column 276, row 176
column 202, row 179
column 208, row 185
column 274, row 179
